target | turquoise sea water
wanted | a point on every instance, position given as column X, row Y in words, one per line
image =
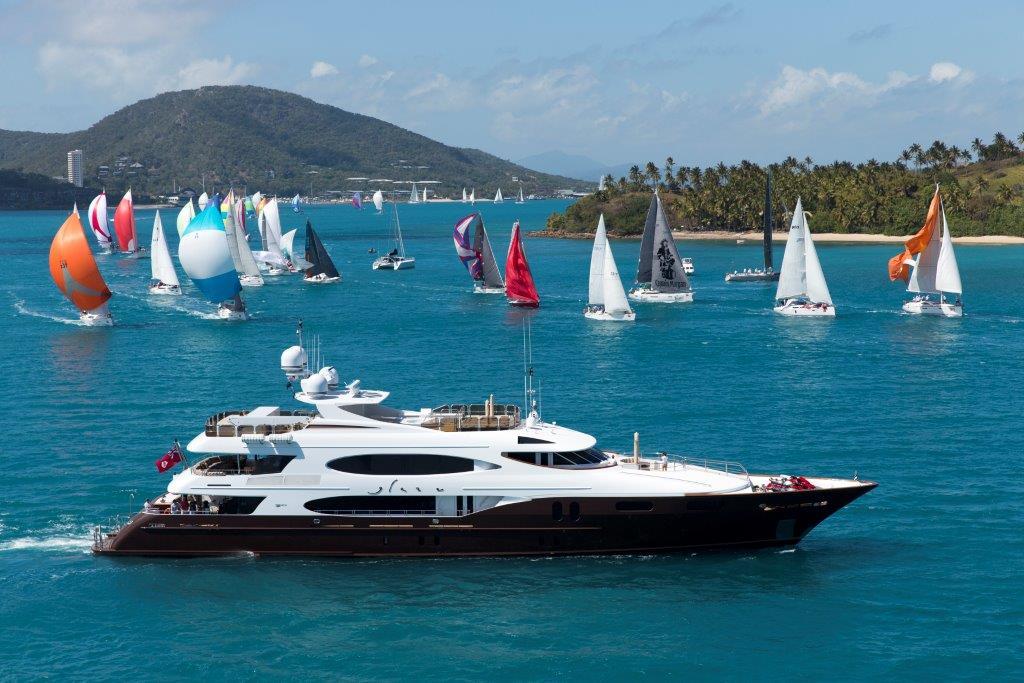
column 922, row 578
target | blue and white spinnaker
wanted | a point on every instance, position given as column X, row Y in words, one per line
column 204, row 256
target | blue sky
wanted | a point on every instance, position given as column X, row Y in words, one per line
column 619, row 82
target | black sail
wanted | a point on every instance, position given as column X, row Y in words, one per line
column 318, row 256
column 766, row 222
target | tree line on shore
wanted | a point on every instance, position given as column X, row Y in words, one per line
column 981, row 189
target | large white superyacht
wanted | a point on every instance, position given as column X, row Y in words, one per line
column 350, row 476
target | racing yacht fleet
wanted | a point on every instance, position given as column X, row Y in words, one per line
column 349, row 475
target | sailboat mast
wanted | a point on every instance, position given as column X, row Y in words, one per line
column 766, row 222
column 398, row 232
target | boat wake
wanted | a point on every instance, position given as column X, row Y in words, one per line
column 51, row 543
column 167, row 303
column 25, row 310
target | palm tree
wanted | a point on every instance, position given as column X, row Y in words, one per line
column 653, row 174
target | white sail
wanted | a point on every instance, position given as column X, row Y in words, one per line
column 185, row 216
column 521, row 200
column 288, row 249
column 793, row 276
column 947, row 272
column 160, row 262
column 464, row 200
column 414, row 197
column 99, row 221
column 596, row 290
column 204, row 199
column 271, row 217
column 472, row 196
column 229, row 232
column 600, row 184
column 497, row 197
column 424, row 194
column 817, row 289
column 613, row 293
column 248, row 261
column 378, row 201
column 923, row 268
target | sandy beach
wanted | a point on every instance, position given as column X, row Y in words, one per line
column 820, row 237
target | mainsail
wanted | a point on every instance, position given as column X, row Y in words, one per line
column 319, row 260
column 228, row 220
column 204, row 256
column 378, row 201
column 521, row 200
column 98, row 220
column 766, row 222
column 414, row 197
column 497, row 197
column 240, row 220
column 595, row 292
column 667, row 274
column 644, row 266
column 519, row 286
column 612, row 292
column 249, row 269
column 424, row 194
column 947, row 275
column 162, row 267
column 472, row 196
column 124, row 224
column 74, row 269
column 474, row 250
column 464, row 200
column 185, row 216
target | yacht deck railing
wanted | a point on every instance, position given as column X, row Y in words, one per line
column 215, row 425
column 681, row 462
column 474, row 417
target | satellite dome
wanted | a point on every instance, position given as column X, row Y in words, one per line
column 331, row 375
column 293, row 359
column 314, row 385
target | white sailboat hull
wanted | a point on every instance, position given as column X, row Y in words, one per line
column 796, row 307
column 594, row 313
column 251, row 280
column 390, row 263
column 942, row 309
column 752, row 276
column 98, row 317
column 645, row 295
column 225, row 313
column 321, row 278
column 162, row 288
column 483, row 289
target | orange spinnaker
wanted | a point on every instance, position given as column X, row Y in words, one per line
column 898, row 268
column 73, row 267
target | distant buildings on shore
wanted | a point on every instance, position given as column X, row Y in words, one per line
column 75, row 167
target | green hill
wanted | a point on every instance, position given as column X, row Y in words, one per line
column 260, row 139
column 34, row 191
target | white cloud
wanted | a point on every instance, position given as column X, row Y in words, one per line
column 366, row 61
column 942, row 72
column 211, row 72
column 321, row 69
column 816, row 86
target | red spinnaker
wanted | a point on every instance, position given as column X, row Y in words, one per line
column 124, row 224
column 519, row 287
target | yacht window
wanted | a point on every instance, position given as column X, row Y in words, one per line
column 556, row 511
column 374, row 505
column 574, row 511
column 591, row 458
column 530, row 439
column 402, row 463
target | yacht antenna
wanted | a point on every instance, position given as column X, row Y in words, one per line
column 528, row 391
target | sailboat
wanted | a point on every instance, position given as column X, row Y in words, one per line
column 464, row 198
column 424, row 195
column 357, row 200
column 165, row 279
column 660, row 274
column 295, row 203
column 414, row 197
column 802, row 289
column 74, row 271
column 295, row 262
column 124, row 226
column 206, row 259
column 185, row 216
column 321, row 268
column 204, row 199
column 606, row 298
column 396, row 258
column 100, row 223
column 768, row 272
column 270, row 239
column 241, row 222
column 472, row 196
column 474, row 250
column 934, row 271
column 378, row 201
column 519, row 287
column 520, row 200
column 249, row 271
column 498, row 199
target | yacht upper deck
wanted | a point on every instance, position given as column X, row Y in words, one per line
column 261, row 421
column 472, row 417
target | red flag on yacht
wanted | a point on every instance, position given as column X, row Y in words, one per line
column 169, row 459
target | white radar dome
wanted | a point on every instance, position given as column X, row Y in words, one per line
column 293, row 359
column 314, row 385
column 331, row 375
